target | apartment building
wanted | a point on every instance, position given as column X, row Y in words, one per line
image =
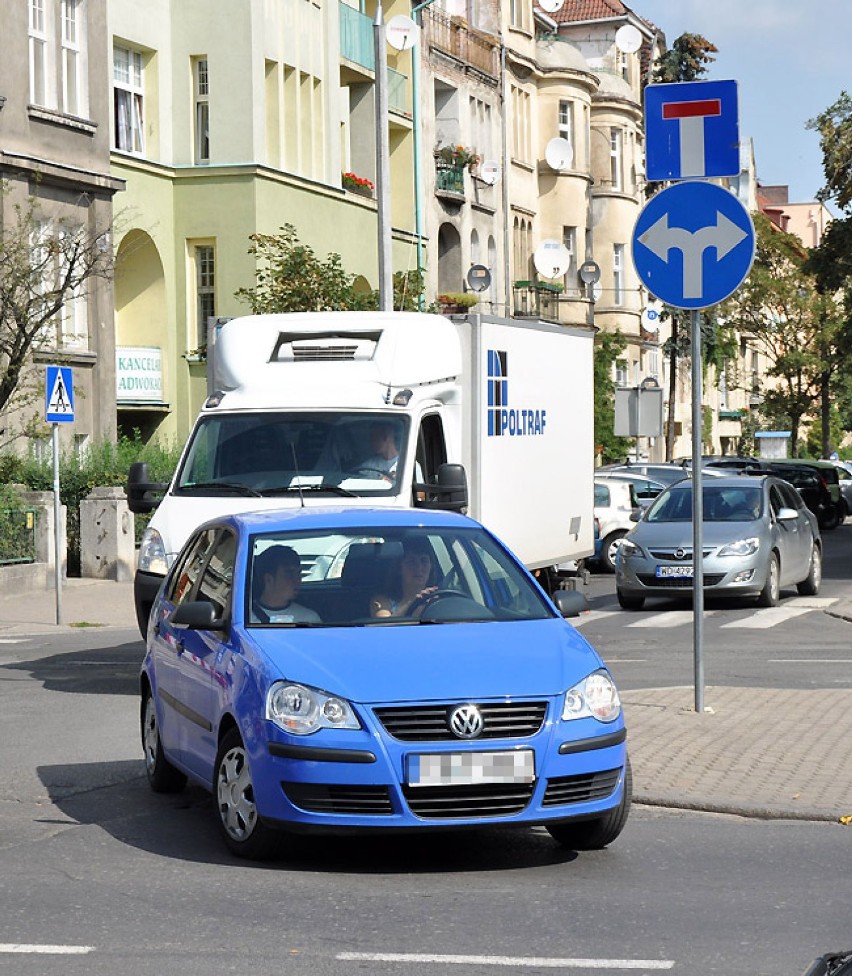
column 230, row 118
column 54, row 152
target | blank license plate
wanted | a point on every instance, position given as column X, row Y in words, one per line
column 682, row 572
column 470, row 768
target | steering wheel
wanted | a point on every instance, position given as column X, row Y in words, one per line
column 384, row 475
column 419, row 604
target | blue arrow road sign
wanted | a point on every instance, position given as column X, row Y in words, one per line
column 693, row 244
column 59, row 390
column 692, row 130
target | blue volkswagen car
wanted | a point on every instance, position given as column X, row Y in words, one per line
column 340, row 669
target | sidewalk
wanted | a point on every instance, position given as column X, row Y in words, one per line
column 761, row 752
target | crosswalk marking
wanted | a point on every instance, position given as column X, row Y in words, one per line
column 764, row 619
column 670, row 618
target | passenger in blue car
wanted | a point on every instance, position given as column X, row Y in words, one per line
column 276, row 580
column 411, row 581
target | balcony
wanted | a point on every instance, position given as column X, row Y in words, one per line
column 356, row 47
column 536, row 299
column 449, row 178
column 453, row 36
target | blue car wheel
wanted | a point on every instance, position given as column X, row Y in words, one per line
column 244, row 832
column 162, row 776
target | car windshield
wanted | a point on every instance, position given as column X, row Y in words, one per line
column 380, row 577
column 722, row 503
column 278, row 453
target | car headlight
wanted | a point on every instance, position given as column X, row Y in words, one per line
column 594, row 697
column 152, row 553
column 742, row 547
column 628, row 548
column 302, row 710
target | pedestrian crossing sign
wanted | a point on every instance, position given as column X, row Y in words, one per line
column 59, row 389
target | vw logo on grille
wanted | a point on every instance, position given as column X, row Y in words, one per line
column 466, row 721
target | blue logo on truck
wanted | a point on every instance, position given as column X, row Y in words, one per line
column 504, row 420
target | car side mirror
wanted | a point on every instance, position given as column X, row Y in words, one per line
column 197, row 615
column 570, row 603
column 787, row 514
column 636, row 516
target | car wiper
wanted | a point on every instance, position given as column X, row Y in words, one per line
column 231, row 487
column 295, row 489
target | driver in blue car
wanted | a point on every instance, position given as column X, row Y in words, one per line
column 412, row 582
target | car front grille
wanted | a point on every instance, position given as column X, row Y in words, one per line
column 670, row 555
column 501, row 720
column 678, row 582
column 562, row 790
column 449, row 802
column 334, row 798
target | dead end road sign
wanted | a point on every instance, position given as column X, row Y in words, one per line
column 59, row 395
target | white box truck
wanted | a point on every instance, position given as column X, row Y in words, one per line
column 487, row 415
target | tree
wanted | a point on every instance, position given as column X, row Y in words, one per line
column 44, row 264
column 835, row 130
column 797, row 328
column 289, row 277
column 685, row 60
column 608, row 346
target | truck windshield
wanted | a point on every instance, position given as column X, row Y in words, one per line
column 271, row 453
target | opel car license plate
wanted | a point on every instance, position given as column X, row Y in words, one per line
column 681, row 572
column 471, row 768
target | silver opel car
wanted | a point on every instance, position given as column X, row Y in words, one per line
column 758, row 538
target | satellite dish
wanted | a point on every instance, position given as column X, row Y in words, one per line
column 559, row 154
column 401, row 32
column 479, row 278
column 590, row 273
column 550, row 6
column 551, row 259
column 628, row 39
column 489, row 172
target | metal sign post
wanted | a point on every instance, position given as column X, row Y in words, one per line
column 697, row 515
column 58, row 409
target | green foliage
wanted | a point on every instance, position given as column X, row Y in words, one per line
column 608, row 347
column 17, row 539
column 685, row 60
column 104, row 465
column 835, row 131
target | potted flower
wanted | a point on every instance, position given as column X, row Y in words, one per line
column 358, row 184
column 456, row 302
column 459, row 157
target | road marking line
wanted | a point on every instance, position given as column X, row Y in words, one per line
column 805, row 660
column 54, row 950
column 672, row 618
column 813, row 602
column 417, row 957
column 771, row 617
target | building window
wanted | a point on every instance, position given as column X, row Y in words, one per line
column 205, row 282
column 520, row 14
column 521, row 140
column 202, row 111
column 723, row 385
column 616, row 152
column 50, row 248
column 72, row 57
column 39, row 53
column 621, row 374
column 566, row 121
column 617, row 274
column 569, row 242
column 128, row 100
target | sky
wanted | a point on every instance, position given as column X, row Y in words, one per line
column 791, row 60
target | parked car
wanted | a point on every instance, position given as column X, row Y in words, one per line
column 818, row 483
column 616, row 509
column 844, row 474
column 646, row 489
column 727, row 463
column 667, row 473
column 339, row 719
column 758, row 537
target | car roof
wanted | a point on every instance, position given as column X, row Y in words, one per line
column 733, row 480
column 341, row 517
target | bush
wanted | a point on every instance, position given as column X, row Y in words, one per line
column 104, row 465
column 16, row 530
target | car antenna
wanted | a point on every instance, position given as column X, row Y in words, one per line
column 298, row 474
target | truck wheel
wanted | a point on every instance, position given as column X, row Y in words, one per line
column 609, row 547
column 629, row 602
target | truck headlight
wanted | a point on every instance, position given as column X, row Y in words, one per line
column 594, row 697
column 302, row 710
column 152, row 554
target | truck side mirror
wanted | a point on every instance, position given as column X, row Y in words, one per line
column 448, row 493
column 143, row 495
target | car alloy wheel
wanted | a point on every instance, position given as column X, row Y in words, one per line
column 770, row 595
column 245, row 834
column 811, row 583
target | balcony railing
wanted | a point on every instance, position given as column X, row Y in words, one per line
column 449, row 178
column 536, row 299
column 456, row 38
column 356, row 45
